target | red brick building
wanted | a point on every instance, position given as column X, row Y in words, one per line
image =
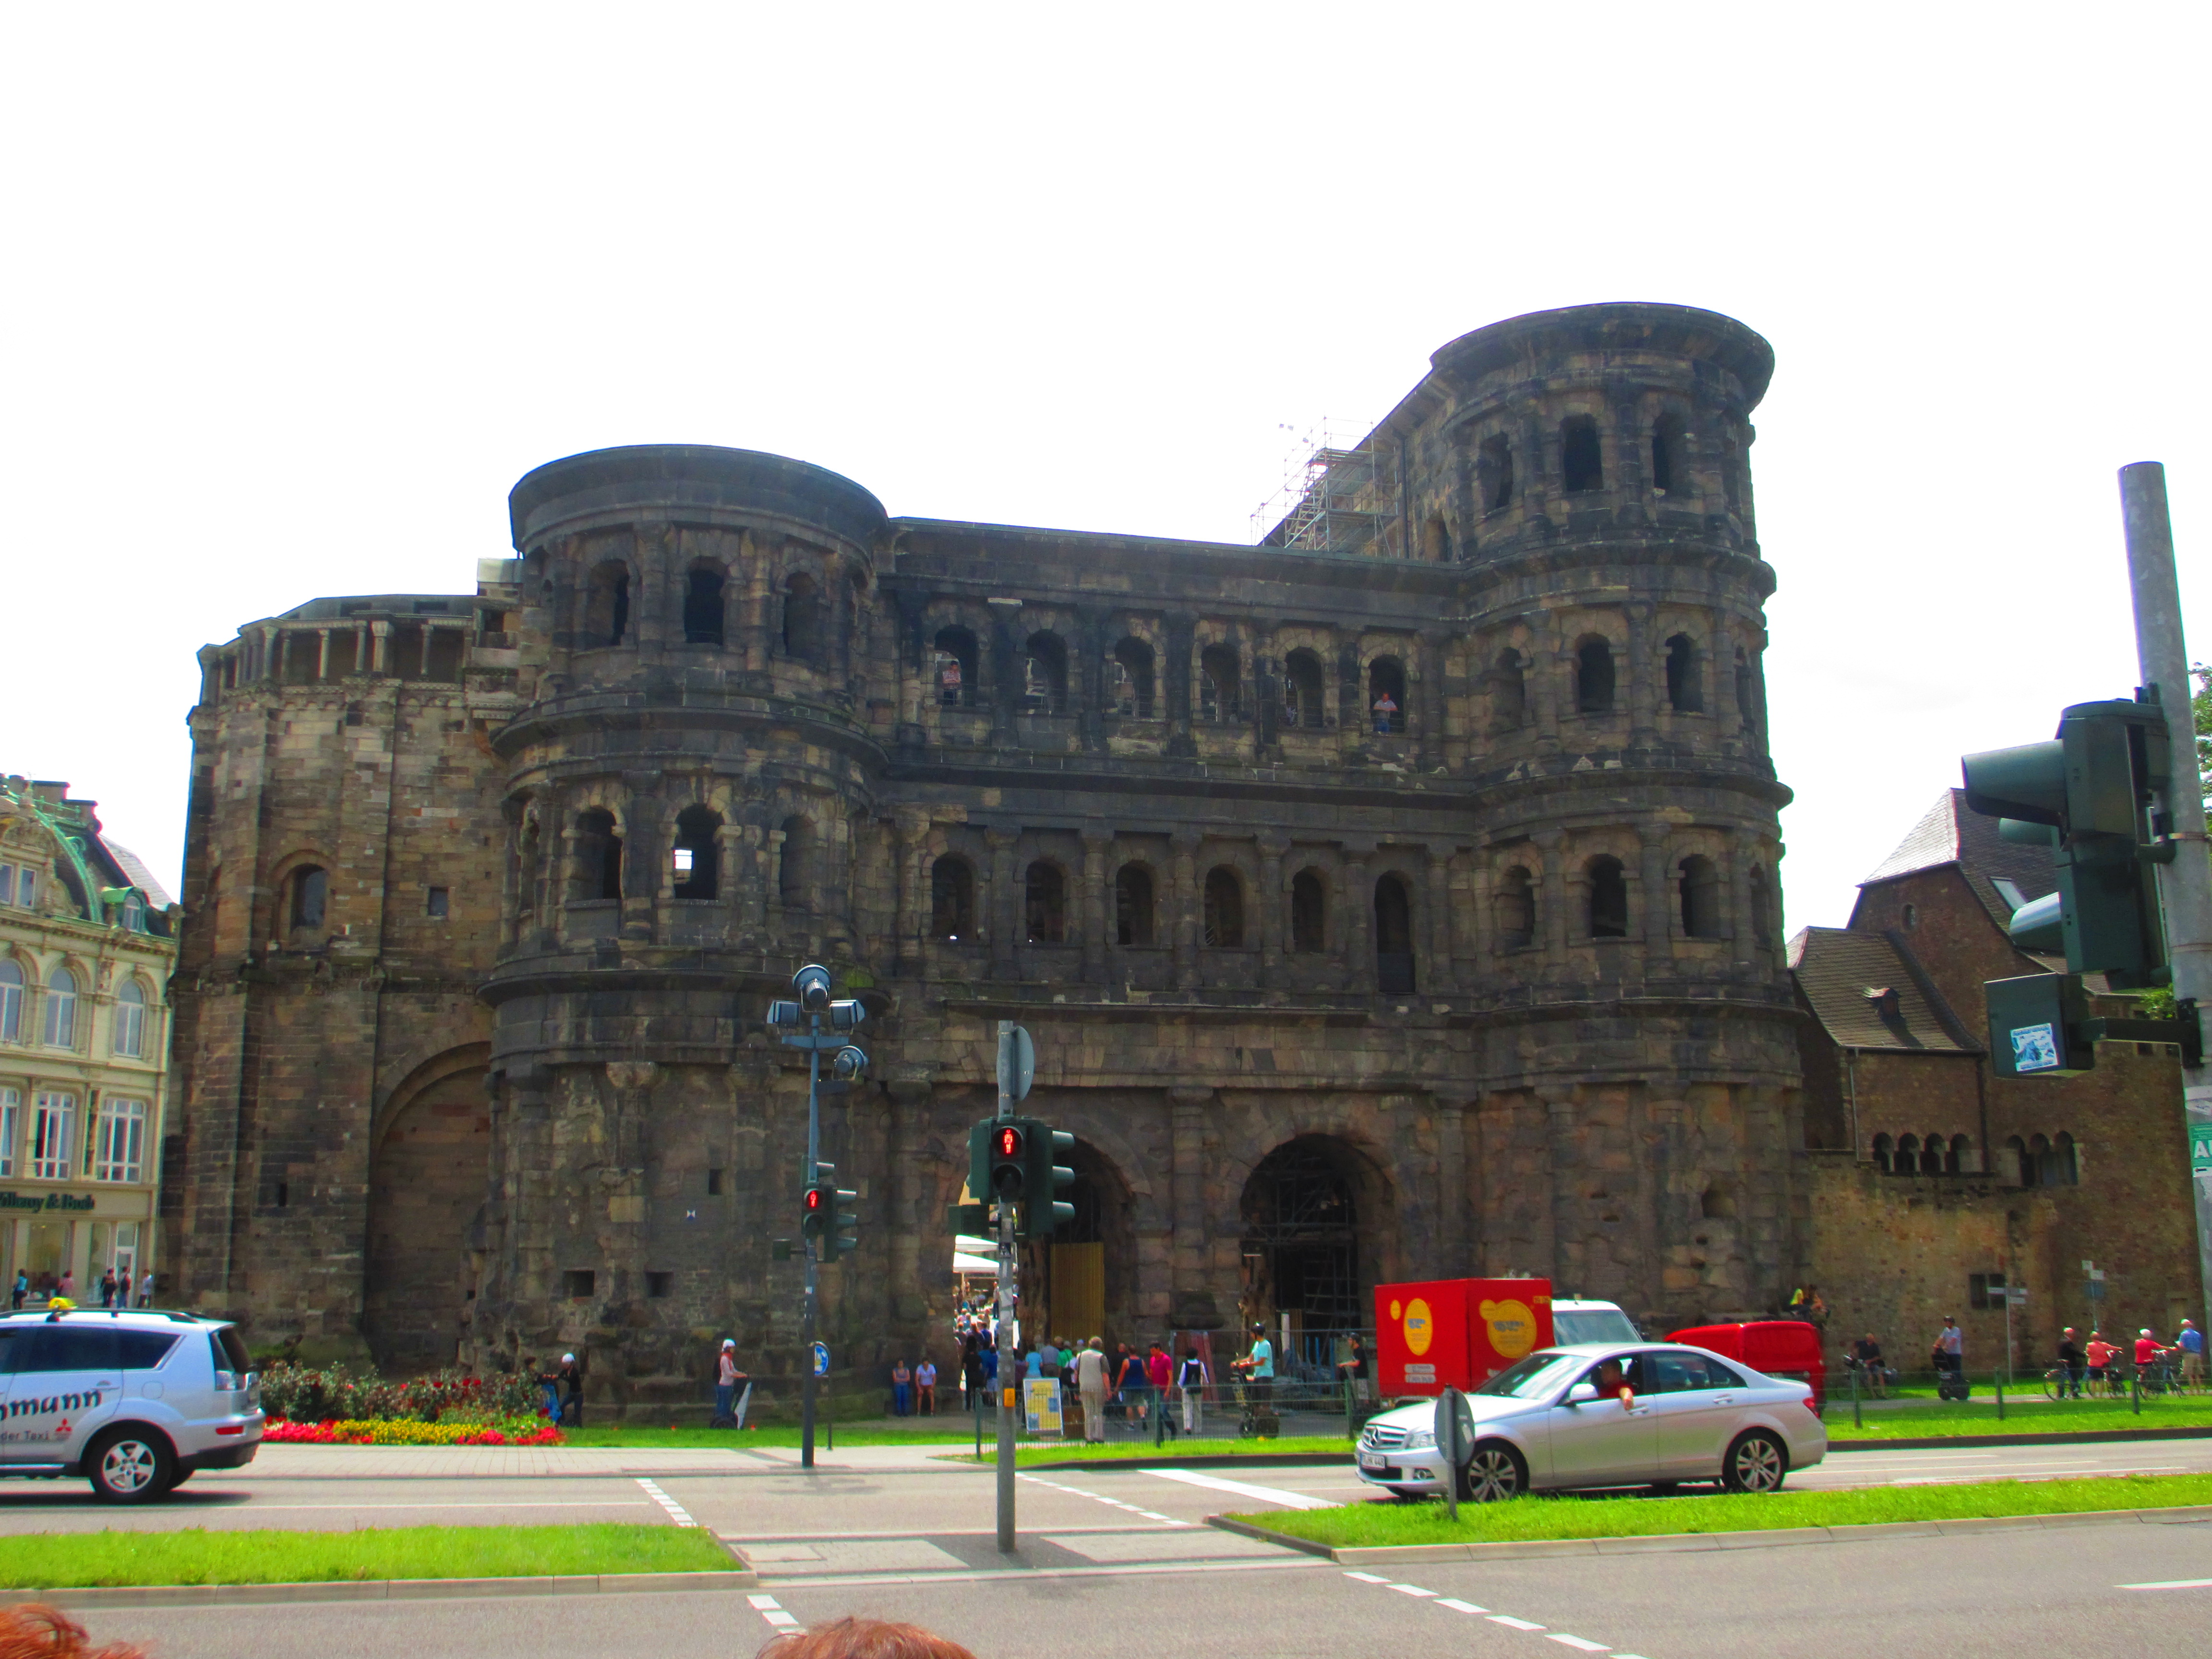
column 1929, row 1173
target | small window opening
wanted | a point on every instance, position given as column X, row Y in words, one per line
column 1217, row 681
column 1509, row 691
column 1684, row 696
column 1302, row 690
column 1044, row 676
column 1133, row 680
column 1309, row 914
column 1911, row 917
column 1955, row 1158
column 802, row 618
column 1045, row 904
column 1593, row 677
column 1132, row 905
column 311, row 892
column 1386, row 697
column 1608, row 898
column 1718, row 1203
column 1907, row 1156
column 1436, row 541
column 1494, row 469
column 1393, row 937
column 1670, row 455
column 1931, row 1156
column 1882, row 1149
column 714, row 1183
column 437, row 902
column 1580, row 456
column 441, row 654
column 953, row 667
column 284, row 1195
column 1515, row 910
column 599, row 856
column 576, row 1283
column 2066, row 1162
column 702, row 608
column 607, row 613
column 658, row 1284
column 1225, row 910
column 696, row 854
column 951, row 900
column 1701, row 897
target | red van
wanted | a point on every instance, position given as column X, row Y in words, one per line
column 1779, row 1347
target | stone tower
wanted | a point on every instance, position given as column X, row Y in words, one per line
column 1396, row 897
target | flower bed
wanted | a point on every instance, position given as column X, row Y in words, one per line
column 358, row 1431
column 303, row 1394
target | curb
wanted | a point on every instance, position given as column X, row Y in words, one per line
column 1674, row 1542
column 1936, row 1441
column 379, row 1590
column 1203, row 1461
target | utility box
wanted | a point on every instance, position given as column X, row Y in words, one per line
column 2038, row 1026
column 1439, row 1333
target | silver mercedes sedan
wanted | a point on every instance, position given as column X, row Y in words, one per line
column 1606, row 1414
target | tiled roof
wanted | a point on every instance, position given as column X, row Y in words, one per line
column 134, row 867
column 1948, row 834
column 1836, row 969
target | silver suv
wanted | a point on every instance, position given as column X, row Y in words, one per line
column 136, row 1401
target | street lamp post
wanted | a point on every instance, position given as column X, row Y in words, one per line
column 812, row 1021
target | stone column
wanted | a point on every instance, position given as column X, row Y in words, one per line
column 1739, row 899
column 1642, row 696
column 511, row 873
column 771, row 882
column 1720, row 655
column 1185, row 915
column 322, row 653
column 1454, row 1260
column 379, row 635
column 912, row 900
column 1559, row 1116
column 643, row 857
column 1273, row 902
column 1093, row 915
column 1359, row 920
column 1429, row 734
column 1658, row 926
column 1005, row 913
column 729, row 869
column 909, row 1198
column 1440, row 977
column 1540, row 685
column 1190, row 1299
column 1552, row 923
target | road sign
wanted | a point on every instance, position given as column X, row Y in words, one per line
column 1016, row 1064
column 2200, row 1149
column 1451, row 1405
column 821, row 1359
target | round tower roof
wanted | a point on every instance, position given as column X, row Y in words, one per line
column 1620, row 325
column 695, row 475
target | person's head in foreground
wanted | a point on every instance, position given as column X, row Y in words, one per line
column 855, row 1638
column 36, row 1632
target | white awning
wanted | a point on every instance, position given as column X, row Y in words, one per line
column 965, row 1263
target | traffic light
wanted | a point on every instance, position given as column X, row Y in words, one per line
column 1045, row 1180
column 817, row 1207
column 1009, row 1160
column 845, row 1224
column 2087, row 794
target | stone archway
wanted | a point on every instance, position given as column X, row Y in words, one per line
column 1311, row 1210
column 427, row 1178
column 1088, row 1273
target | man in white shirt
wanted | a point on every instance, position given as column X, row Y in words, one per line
column 1091, row 1384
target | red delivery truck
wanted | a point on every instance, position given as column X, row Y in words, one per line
column 1781, row 1347
column 1438, row 1334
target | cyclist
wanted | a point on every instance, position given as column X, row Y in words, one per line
column 2149, row 1354
column 2070, row 1361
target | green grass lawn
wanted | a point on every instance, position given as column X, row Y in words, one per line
column 1034, row 1455
column 1373, row 1525
column 2033, row 1414
column 196, row 1556
column 772, row 1434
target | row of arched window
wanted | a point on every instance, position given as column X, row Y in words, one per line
column 800, row 620
column 2035, row 1161
column 1582, row 461
column 58, row 1025
column 694, row 858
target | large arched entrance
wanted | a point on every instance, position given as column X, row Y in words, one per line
column 1088, row 1271
column 427, row 1181
column 1306, row 1211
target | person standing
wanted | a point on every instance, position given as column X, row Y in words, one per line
column 1950, row 1350
column 1191, row 1379
column 971, row 1369
column 1132, row 1384
column 2191, row 1344
column 22, row 1287
column 1158, row 1370
column 1091, row 1384
column 2149, row 1350
column 726, row 1385
column 67, row 1288
column 2069, row 1362
column 108, row 1288
column 1259, row 1371
column 570, row 1377
column 1353, row 1365
column 925, row 1387
column 123, row 1289
column 1386, row 713
column 2100, row 1355
column 902, row 1388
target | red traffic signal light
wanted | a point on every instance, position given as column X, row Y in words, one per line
column 813, row 1200
column 1009, row 1141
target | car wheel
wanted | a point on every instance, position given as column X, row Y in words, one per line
column 1494, row 1474
column 130, row 1466
column 1756, row 1462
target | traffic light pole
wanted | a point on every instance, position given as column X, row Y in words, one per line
column 1008, row 1375
column 809, row 1383
column 2185, row 886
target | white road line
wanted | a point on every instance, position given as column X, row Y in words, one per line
column 532, row 1503
column 1096, row 1498
column 2172, row 1584
column 763, row 1603
column 1458, row 1606
column 1512, row 1623
column 1368, row 1577
column 1288, row 1563
column 1577, row 1642
column 780, row 1621
column 676, row 1512
column 1289, row 1500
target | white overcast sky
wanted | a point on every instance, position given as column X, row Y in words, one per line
column 293, row 295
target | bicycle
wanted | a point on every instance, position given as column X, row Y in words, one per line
column 2061, row 1382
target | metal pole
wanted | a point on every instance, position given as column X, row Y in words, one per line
column 1008, row 1383
column 808, row 1383
column 1857, row 1421
column 2185, row 886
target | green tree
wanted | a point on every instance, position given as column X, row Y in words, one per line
column 2201, row 707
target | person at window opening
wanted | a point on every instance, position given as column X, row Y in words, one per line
column 571, row 1379
column 1866, row 1354
column 2191, row 1344
column 1612, row 1383
column 1385, row 711
column 2100, row 1355
column 1191, row 1379
column 1258, row 1369
column 925, row 1387
column 948, row 682
column 1950, row 1350
column 726, row 1385
column 2070, row 1362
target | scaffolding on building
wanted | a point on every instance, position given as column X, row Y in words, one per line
column 1341, row 494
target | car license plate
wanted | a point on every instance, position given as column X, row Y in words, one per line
column 1373, row 1461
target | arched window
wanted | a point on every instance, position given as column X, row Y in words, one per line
column 1509, row 691
column 1908, row 1155
column 606, row 609
column 61, row 1010
column 11, row 1004
column 1670, row 455
column 1932, row 1155
column 128, row 1039
column 1701, row 898
column 2016, row 1169
column 1225, row 910
column 702, row 607
column 598, row 857
column 1044, row 676
column 1684, row 695
column 1386, row 696
column 1217, row 680
column 311, row 894
column 1393, row 937
column 951, row 900
column 2040, row 1168
column 1302, row 690
column 1493, row 466
column 1045, row 904
column 1132, row 905
column 1582, row 460
column 1436, row 541
column 1514, row 909
column 2065, row 1161
column 1309, row 913
column 1608, row 897
column 802, row 618
column 694, row 858
column 1961, row 1153
column 1594, row 676
column 1133, row 680
column 953, row 667
column 1881, row 1152
column 795, row 876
